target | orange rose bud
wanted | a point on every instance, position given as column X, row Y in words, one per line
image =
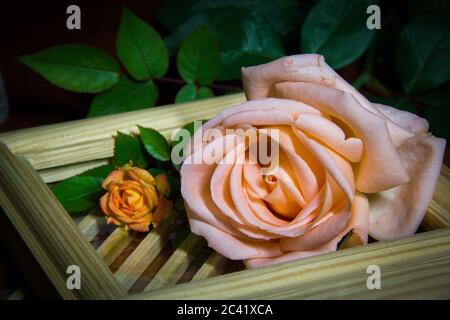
column 135, row 198
column 162, row 184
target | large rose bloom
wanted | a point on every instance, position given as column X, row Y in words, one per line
column 345, row 164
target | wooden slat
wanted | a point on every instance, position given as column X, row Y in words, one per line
column 413, row 267
column 113, row 246
column 438, row 215
column 142, row 256
column 64, row 172
column 213, row 266
column 18, row 294
column 177, row 264
column 49, row 231
column 92, row 139
column 90, row 226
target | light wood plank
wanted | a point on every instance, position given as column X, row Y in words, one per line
column 113, row 246
column 177, row 264
column 90, row 226
column 92, row 139
column 142, row 256
column 49, row 231
column 18, row 294
column 213, row 266
column 413, row 267
column 438, row 215
column 60, row 173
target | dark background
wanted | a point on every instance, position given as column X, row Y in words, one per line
column 30, row 26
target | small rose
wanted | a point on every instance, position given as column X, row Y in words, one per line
column 345, row 164
column 135, row 198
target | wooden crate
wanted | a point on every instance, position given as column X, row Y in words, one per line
column 112, row 264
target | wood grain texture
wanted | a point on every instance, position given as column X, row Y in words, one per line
column 113, row 246
column 60, row 173
column 142, row 256
column 413, row 267
column 92, row 139
column 177, row 264
column 50, row 232
column 438, row 215
column 90, row 226
column 213, row 266
column 18, row 294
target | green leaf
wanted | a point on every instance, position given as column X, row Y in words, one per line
column 175, row 185
column 99, row 172
column 191, row 127
column 419, row 8
column 281, row 14
column 125, row 96
column 79, row 193
column 128, row 148
column 422, row 54
column 337, row 29
column 438, row 119
column 155, row 171
column 140, row 48
column 76, row 68
column 438, row 97
column 155, row 144
column 198, row 58
column 244, row 38
column 190, row 92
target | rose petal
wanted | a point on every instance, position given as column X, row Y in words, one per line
column 398, row 133
column 114, row 176
column 162, row 211
column 303, row 165
column 232, row 247
column 332, row 135
column 319, row 235
column 294, row 108
column 195, row 187
column 104, row 204
column 282, row 202
column 407, row 120
column 329, row 162
column 259, row 80
column 259, row 118
column 259, row 83
column 162, row 184
column 138, row 174
column 380, row 167
column 111, row 220
column 398, row 212
column 359, row 216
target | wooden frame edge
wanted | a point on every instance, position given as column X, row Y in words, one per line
column 413, row 267
column 93, row 138
column 50, row 233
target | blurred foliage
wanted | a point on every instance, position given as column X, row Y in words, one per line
column 404, row 64
column 337, row 29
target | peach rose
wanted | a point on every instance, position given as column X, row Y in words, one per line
column 135, row 198
column 345, row 164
